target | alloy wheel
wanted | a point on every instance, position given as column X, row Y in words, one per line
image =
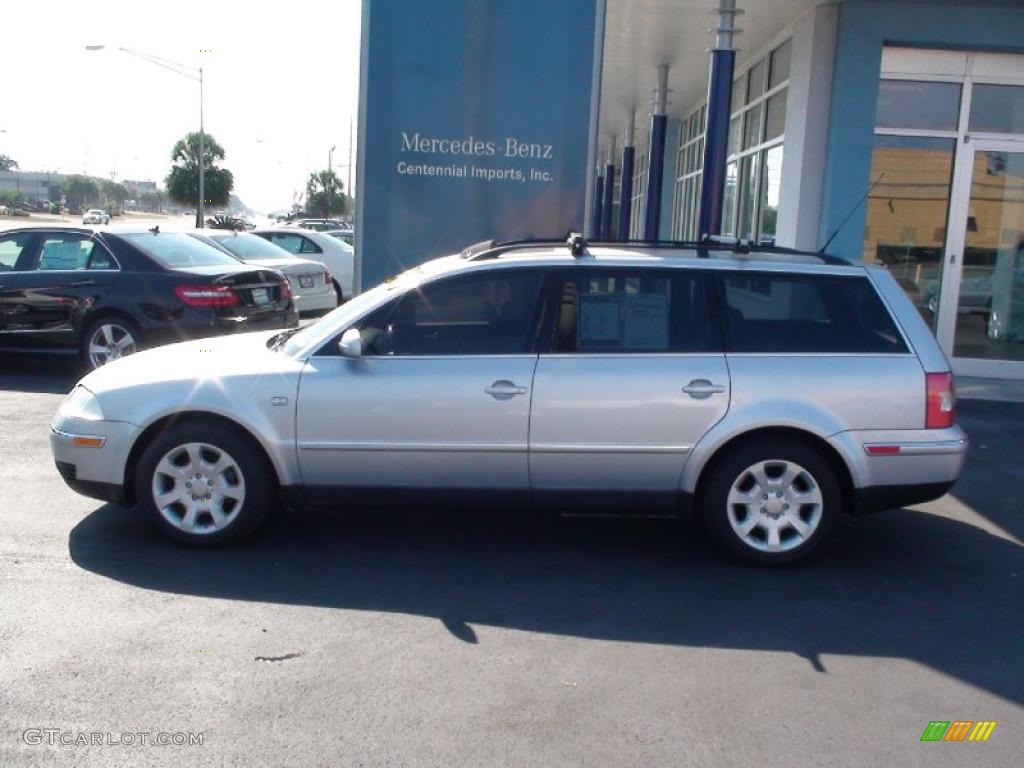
column 775, row 506
column 198, row 488
column 110, row 341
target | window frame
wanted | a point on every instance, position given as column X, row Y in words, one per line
column 537, row 322
column 559, row 277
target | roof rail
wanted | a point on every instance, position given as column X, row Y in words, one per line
column 490, row 249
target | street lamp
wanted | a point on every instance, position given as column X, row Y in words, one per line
column 192, row 73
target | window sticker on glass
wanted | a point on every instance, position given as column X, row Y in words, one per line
column 599, row 320
column 646, row 321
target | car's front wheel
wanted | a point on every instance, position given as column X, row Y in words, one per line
column 771, row 502
column 203, row 484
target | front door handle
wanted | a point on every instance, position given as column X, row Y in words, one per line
column 701, row 389
column 504, row 389
column 83, row 283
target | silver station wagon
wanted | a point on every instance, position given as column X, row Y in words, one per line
column 766, row 390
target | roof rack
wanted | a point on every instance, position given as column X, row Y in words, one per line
column 491, row 249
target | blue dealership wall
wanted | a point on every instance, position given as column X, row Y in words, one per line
column 474, row 124
column 865, row 26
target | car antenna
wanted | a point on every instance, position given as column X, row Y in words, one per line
column 853, row 210
column 155, row 229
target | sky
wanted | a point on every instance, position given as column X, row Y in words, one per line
column 281, row 86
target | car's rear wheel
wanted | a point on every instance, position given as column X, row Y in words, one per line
column 108, row 339
column 203, row 484
column 771, row 502
column 339, row 297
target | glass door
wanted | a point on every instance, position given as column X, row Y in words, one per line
column 980, row 321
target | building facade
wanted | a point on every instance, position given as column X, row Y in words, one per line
column 894, row 128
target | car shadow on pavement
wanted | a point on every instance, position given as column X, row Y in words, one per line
column 53, row 374
column 903, row 584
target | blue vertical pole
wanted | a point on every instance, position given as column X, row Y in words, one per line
column 609, row 198
column 595, row 225
column 626, row 192
column 656, row 156
column 716, row 138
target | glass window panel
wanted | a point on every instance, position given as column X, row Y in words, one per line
column 64, row 252
column 780, row 64
column 906, row 214
column 11, row 247
column 734, row 135
column 755, row 80
column 990, row 311
column 916, row 104
column 729, row 200
column 752, row 127
column 739, row 90
column 771, row 185
column 747, row 197
column 775, row 123
column 997, row 108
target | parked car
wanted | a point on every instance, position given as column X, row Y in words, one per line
column 311, row 282
column 96, row 216
column 106, row 294
column 346, row 235
column 768, row 393
column 334, row 254
column 319, row 225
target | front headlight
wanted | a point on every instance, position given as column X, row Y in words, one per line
column 81, row 404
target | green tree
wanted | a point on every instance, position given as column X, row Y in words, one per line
column 324, row 195
column 114, row 195
column 9, row 196
column 80, row 191
column 183, row 180
column 8, row 163
column 153, row 201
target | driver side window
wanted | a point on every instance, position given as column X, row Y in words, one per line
column 487, row 314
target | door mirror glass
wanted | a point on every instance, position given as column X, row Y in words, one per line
column 351, row 343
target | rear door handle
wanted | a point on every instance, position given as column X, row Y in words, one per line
column 83, row 283
column 504, row 389
column 702, row 388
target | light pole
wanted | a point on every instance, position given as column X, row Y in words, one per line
column 192, row 73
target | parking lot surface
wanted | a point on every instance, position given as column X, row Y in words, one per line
column 437, row 638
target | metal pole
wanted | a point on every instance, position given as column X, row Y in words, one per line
column 201, row 209
column 609, row 194
column 626, row 187
column 348, row 188
column 716, row 138
column 595, row 222
column 656, row 155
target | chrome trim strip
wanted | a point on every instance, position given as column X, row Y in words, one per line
column 919, row 448
column 606, row 448
column 68, row 438
column 411, row 447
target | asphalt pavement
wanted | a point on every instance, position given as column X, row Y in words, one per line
column 438, row 638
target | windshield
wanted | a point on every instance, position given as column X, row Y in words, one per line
column 176, row 249
column 250, row 247
column 338, row 319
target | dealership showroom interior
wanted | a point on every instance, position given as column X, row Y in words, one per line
column 638, row 382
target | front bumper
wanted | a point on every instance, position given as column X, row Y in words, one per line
column 91, row 455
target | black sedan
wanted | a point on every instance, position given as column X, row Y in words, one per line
column 105, row 294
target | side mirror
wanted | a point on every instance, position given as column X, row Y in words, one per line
column 351, row 343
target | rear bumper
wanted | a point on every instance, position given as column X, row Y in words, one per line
column 878, row 498
column 315, row 302
column 203, row 323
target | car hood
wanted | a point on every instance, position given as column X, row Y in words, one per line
column 214, row 374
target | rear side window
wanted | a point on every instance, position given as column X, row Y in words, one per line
column 635, row 311
column 767, row 312
column 64, row 252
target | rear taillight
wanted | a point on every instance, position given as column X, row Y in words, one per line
column 286, row 290
column 327, row 277
column 207, row 295
column 940, row 408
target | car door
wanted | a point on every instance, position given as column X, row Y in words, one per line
column 70, row 273
column 634, row 377
column 16, row 251
column 440, row 397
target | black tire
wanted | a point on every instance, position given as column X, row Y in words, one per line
column 339, row 297
column 256, row 475
column 732, row 468
column 114, row 320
